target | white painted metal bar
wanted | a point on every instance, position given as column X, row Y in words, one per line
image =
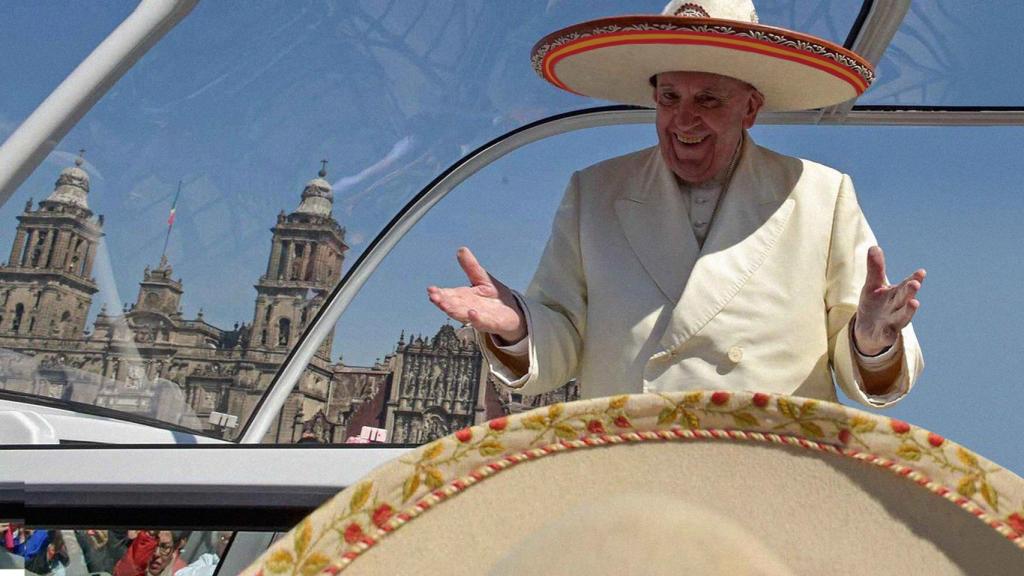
column 880, row 26
column 62, row 109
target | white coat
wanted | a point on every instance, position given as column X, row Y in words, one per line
column 625, row 301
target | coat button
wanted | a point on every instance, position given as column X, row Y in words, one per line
column 735, row 354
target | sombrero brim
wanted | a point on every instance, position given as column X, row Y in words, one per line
column 613, row 59
column 819, row 484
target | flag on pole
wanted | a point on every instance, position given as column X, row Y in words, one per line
column 174, row 207
column 170, row 222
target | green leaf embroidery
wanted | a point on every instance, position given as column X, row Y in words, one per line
column 314, row 564
column 745, row 419
column 303, row 534
column 990, row 495
column 691, row 420
column 535, row 422
column 565, row 431
column 787, row 409
column 412, row 483
column 811, row 429
column 280, row 561
column 667, row 416
column 360, row 497
column 434, row 478
column 966, row 486
column 909, row 452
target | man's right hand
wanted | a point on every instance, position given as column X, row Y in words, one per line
column 486, row 304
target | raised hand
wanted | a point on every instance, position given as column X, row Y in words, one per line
column 486, row 304
column 884, row 309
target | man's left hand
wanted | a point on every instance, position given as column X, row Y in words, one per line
column 884, row 309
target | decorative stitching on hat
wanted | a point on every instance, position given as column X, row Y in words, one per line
column 357, row 518
column 691, row 10
column 863, row 71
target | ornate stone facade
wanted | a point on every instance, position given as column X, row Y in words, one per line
column 151, row 361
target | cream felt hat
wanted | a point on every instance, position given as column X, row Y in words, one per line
column 614, row 58
column 702, row 482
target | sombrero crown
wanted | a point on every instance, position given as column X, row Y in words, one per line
column 614, row 58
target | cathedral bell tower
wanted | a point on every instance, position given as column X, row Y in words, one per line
column 306, row 256
column 47, row 283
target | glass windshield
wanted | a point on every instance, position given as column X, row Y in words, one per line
column 403, row 370
column 952, row 54
column 168, row 255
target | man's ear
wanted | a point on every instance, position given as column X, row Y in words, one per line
column 754, row 103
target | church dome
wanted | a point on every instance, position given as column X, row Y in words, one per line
column 317, row 197
column 72, row 186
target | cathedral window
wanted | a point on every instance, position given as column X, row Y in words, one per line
column 23, row 259
column 49, row 253
column 284, row 327
column 36, row 253
column 31, row 324
column 263, row 336
column 19, row 311
column 39, row 296
column 296, row 272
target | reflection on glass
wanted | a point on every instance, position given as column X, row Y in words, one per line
column 149, row 359
column 953, row 54
column 112, row 552
column 405, row 373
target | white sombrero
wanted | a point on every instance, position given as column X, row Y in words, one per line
column 614, row 58
column 686, row 482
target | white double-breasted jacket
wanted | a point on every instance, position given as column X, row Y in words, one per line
column 626, row 301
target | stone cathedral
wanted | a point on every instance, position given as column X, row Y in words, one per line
column 151, row 361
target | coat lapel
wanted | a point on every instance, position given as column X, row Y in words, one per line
column 752, row 214
column 655, row 221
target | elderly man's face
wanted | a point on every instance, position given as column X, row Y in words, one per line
column 700, row 119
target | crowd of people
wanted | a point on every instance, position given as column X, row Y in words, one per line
column 112, row 552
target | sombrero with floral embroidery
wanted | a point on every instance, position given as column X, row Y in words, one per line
column 615, row 58
column 707, row 482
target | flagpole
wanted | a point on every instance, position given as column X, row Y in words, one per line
column 170, row 223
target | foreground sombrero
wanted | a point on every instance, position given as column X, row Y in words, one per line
column 614, row 58
column 779, row 484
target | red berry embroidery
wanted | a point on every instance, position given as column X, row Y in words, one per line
column 844, row 436
column 381, row 515
column 1016, row 521
column 353, row 533
column 935, row 440
column 464, row 435
column 499, row 424
column 761, row 399
column 595, row 427
column 899, row 426
column 623, row 422
column 719, row 398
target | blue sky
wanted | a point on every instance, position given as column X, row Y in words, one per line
column 243, row 99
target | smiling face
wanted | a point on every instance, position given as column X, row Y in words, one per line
column 700, row 121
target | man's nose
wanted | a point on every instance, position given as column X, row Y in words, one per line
column 685, row 116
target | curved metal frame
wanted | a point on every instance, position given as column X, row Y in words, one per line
column 324, row 322
column 272, row 401
column 76, row 95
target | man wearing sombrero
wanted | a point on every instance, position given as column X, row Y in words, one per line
column 707, row 261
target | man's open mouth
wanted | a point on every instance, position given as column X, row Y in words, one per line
column 690, row 139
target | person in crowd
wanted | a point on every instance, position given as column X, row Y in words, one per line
column 206, row 564
column 166, row 559
column 101, row 549
column 52, row 560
